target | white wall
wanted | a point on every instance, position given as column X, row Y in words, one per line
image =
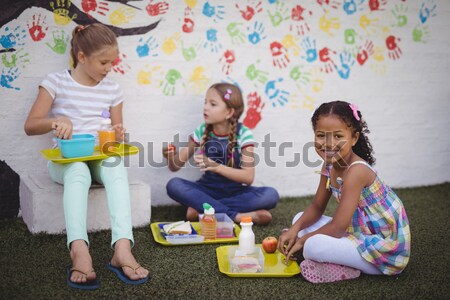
column 404, row 100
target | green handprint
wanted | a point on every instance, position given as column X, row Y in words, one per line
column 15, row 59
column 297, row 75
column 400, row 15
column 237, row 36
column 350, row 36
column 420, row 33
column 253, row 73
column 189, row 53
column 60, row 42
column 280, row 15
column 171, row 79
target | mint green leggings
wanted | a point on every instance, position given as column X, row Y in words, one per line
column 77, row 178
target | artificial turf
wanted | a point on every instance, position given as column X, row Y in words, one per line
column 33, row 266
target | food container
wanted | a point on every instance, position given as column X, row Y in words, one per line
column 224, row 227
column 80, row 145
column 246, row 262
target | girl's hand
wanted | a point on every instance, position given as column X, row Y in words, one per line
column 287, row 240
column 295, row 248
column 63, row 128
column 169, row 152
column 120, row 132
column 206, row 164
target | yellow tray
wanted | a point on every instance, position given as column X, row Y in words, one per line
column 196, row 225
column 274, row 264
column 119, row 150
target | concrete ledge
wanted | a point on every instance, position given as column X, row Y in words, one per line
column 42, row 210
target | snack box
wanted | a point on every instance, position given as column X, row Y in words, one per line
column 225, row 225
column 178, row 239
column 246, row 262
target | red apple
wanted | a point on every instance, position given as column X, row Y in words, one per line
column 270, row 244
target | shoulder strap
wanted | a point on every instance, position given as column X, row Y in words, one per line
column 361, row 162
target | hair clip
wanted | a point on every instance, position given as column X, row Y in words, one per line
column 354, row 108
column 229, row 156
column 227, row 94
column 79, row 28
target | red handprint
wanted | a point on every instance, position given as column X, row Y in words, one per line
column 89, row 6
column 249, row 11
column 297, row 16
column 394, row 52
column 188, row 25
column 364, row 52
column 229, row 58
column 279, row 54
column 158, row 8
column 377, row 4
column 37, row 30
column 255, row 107
column 331, row 3
column 119, row 65
column 324, row 57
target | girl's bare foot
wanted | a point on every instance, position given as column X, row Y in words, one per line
column 81, row 260
column 259, row 217
column 123, row 256
column 192, row 214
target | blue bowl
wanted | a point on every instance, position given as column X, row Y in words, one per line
column 80, row 145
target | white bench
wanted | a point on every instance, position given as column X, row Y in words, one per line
column 41, row 205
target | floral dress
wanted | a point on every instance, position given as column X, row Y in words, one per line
column 380, row 227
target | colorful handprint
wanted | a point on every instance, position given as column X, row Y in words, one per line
column 257, row 35
column 198, row 80
column 38, row 28
column 61, row 12
column 394, row 51
column 15, row 59
column 326, row 60
column 216, row 13
column 7, row 78
column 189, row 53
column 60, row 40
column 250, row 10
column 211, row 41
column 170, row 82
column 364, row 52
column 276, row 95
column 188, row 21
column 280, row 57
column 302, row 77
column 119, row 65
column 170, row 43
column 236, row 35
column 158, row 8
column 227, row 60
column 281, row 14
column 13, row 39
column 346, row 63
column 291, row 43
column 420, row 33
column 255, row 107
column 327, row 24
column 91, row 6
column 298, row 18
column 122, row 16
column 144, row 49
column 375, row 5
column 427, row 10
column 329, row 4
column 400, row 15
column 145, row 76
column 309, row 47
column 255, row 75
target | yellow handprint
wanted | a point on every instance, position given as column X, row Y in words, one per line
column 370, row 26
column 198, row 80
column 191, row 3
column 121, row 16
column 170, row 44
column 145, row 77
column 326, row 24
column 61, row 12
column 291, row 43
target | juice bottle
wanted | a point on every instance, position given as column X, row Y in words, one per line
column 246, row 236
column 106, row 134
column 208, row 222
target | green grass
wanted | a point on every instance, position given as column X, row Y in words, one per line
column 33, row 266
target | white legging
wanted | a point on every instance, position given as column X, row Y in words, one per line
column 325, row 248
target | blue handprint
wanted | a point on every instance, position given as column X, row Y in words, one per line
column 258, row 33
column 9, row 40
column 276, row 96
column 211, row 41
column 347, row 62
column 427, row 10
column 214, row 12
column 145, row 48
column 310, row 49
column 350, row 6
column 9, row 77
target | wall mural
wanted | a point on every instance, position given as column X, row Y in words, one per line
column 278, row 52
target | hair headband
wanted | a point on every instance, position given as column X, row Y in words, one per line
column 227, row 94
column 354, row 109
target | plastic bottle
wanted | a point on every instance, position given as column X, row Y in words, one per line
column 106, row 133
column 247, row 236
column 208, row 222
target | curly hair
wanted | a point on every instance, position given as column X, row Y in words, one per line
column 236, row 102
column 362, row 148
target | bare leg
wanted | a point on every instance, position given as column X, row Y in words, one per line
column 191, row 214
column 259, row 217
column 123, row 256
column 81, row 260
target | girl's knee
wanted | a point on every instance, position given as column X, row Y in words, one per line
column 174, row 186
column 270, row 196
column 78, row 171
column 316, row 248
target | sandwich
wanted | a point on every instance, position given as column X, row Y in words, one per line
column 180, row 227
column 245, row 264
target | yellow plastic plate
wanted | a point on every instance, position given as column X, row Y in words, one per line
column 119, row 150
column 196, row 225
column 274, row 264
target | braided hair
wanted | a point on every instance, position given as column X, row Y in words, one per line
column 233, row 100
column 362, row 148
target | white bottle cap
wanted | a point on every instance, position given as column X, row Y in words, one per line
column 106, row 121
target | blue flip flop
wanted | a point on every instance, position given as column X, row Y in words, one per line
column 119, row 272
column 88, row 285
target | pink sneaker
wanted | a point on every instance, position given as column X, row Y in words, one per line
column 317, row 272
